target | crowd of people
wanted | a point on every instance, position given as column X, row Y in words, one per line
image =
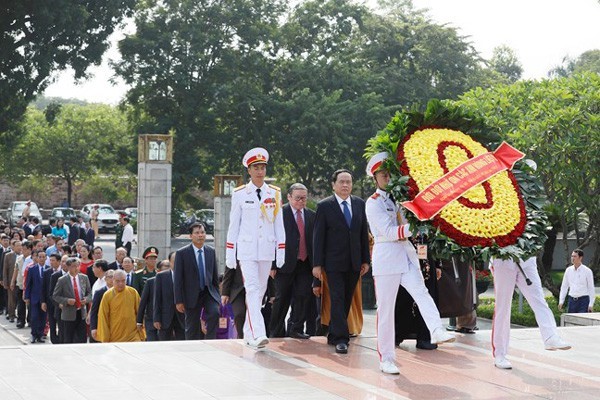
column 281, row 259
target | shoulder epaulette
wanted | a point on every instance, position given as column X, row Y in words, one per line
column 275, row 187
column 375, row 195
column 239, row 188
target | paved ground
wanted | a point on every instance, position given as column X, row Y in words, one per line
column 295, row 369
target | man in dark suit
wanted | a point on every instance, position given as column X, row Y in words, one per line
column 196, row 285
column 294, row 279
column 47, row 302
column 96, row 299
column 34, row 295
column 89, row 235
column 232, row 291
column 73, row 231
column 120, row 255
column 4, row 250
column 132, row 279
column 341, row 249
column 145, row 312
column 169, row 322
column 73, row 292
column 63, row 270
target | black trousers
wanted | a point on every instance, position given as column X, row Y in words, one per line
column 75, row 331
column 239, row 314
column 128, row 248
column 341, row 290
column 293, row 288
column 21, row 308
column 175, row 330
column 3, row 299
column 151, row 331
column 211, row 314
column 53, row 324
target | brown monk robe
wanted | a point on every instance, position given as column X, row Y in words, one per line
column 355, row 316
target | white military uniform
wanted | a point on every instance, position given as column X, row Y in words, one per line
column 506, row 275
column 256, row 237
column 395, row 261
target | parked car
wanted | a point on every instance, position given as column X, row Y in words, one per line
column 108, row 219
column 63, row 212
column 15, row 211
column 207, row 217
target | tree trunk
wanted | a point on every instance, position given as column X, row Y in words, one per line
column 69, row 190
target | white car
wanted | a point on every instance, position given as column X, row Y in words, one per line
column 108, row 219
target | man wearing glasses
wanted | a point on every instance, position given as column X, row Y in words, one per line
column 294, row 279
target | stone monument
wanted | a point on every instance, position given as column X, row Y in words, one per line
column 223, row 188
column 155, row 158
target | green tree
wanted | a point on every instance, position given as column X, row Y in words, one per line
column 505, row 61
column 344, row 70
column 557, row 123
column 41, row 37
column 191, row 64
column 81, row 142
column 587, row 61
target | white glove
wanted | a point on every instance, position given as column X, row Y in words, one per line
column 230, row 260
column 407, row 231
column 280, row 258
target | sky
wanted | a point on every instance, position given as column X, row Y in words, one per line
column 542, row 33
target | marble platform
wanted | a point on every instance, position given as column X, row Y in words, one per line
column 309, row 369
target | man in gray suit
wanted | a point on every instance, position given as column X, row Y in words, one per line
column 72, row 293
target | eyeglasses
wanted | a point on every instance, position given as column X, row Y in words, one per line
column 299, row 198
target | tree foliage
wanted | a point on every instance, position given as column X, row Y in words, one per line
column 191, row 64
column 41, row 37
column 81, row 142
column 588, row 61
column 505, row 61
column 311, row 86
column 557, row 123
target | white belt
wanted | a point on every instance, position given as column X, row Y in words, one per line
column 383, row 239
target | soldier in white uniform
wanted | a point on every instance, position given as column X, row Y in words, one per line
column 506, row 275
column 395, row 263
column 256, row 237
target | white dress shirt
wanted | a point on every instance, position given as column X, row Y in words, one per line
column 578, row 282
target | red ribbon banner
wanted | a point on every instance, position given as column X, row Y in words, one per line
column 430, row 201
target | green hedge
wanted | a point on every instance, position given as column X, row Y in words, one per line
column 485, row 309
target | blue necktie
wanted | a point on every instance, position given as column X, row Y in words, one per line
column 347, row 213
column 201, row 270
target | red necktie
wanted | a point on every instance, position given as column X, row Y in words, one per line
column 77, row 299
column 302, row 246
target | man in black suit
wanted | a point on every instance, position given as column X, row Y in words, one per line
column 73, row 231
column 132, row 278
column 169, row 322
column 63, row 270
column 294, row 279
column 145, row 312
column 341, row 249
column 196, row 285
column 96, row 299
column 120, row 255
column 48, row 305
column 232, row 291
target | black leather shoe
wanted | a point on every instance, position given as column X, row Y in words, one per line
column 41, row 340
column 426, row 345
column 33, row 339
column 20, row 325
column 299, row 335
column 341, row 348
